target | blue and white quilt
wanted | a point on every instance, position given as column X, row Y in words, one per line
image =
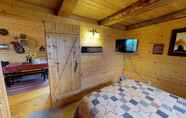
column 132, row 99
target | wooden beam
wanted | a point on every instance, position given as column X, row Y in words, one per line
column 83, row 19
column 119, row 26
column 136, row 8
column 67, row 7
column 168, row 17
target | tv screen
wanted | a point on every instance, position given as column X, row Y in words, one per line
column 126, row 45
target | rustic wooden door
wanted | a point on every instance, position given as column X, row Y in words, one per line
column 4, row 107
column 64, row 65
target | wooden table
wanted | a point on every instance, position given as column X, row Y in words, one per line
column 13, row 71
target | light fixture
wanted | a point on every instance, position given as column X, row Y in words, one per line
column 94, row 33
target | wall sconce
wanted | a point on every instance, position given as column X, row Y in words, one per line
column 91, row 38
column 94, row 34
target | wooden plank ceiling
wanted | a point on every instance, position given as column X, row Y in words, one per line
column 123, row 14
column 99, row 9
column 48, row 4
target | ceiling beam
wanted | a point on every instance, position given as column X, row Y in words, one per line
column 83, row 19
column 119, row 26
column 136, row 8
column 168, row 17
column 67, row 7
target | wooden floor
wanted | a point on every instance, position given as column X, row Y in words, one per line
column 23, row 104
column 65, row 112
column 36, row 104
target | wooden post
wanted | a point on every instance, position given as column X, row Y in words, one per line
column 4, row 106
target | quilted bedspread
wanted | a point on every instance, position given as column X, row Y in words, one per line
column 131, row 99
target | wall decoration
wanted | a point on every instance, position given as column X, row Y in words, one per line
column 177, row 45
column 91, row 49
column 18, row 47
column 4, row 32
column 158, row 49
column 4, row 46
column 42, row 49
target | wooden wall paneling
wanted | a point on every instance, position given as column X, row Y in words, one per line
column 50, row 27
column 67, row 29
column 4, row 106
column 165, row 72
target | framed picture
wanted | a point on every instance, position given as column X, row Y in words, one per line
column 177, row 45
column 158, row 49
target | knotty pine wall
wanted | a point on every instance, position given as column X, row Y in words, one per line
column 95, row 68
column 34, row 30
column 166, row 72
column 100, row 67
column 103, row 67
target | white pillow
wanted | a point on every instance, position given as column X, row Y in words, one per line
column 182, row 101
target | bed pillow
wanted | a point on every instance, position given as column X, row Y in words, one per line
column 123, row 77
column 182, row 101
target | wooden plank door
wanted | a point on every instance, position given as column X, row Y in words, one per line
column 4, row 106
column 64, row 65
column 53, row 69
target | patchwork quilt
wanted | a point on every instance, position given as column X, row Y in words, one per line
column 132, row 99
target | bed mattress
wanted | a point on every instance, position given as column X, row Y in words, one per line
column 131, row 99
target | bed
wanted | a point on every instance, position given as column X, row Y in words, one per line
column 131, row 99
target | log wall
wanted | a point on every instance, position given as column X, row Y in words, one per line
column 163, row 71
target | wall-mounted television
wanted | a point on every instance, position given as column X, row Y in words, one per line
column 128, row 45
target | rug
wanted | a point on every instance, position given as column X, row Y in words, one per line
column 27, row 83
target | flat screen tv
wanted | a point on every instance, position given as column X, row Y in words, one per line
column 126, row 45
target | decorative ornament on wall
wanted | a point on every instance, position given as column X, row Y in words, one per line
column 18, row 47
column 20, row 43
column 3, row 32
column 158, row 49
column 42, row 49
